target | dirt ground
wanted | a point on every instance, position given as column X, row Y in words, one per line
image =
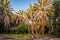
column 30, row 38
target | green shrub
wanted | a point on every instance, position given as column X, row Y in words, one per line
column 22, row 29
column 57, row 33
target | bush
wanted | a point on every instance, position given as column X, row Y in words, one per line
column 57, row 33
column 12, row 30
column 22, row 28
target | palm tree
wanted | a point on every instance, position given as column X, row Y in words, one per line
column 21, row 15
column 4, row 5
column 31, row 16
column 28, row 13
column 44, row 7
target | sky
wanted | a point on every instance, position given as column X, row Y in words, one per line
column 21, row 4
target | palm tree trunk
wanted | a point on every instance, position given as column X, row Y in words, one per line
column 42, row 27
column 36, row 25
column 29, row 29
column 43, row 22
column 32, row 25
column 36, row 30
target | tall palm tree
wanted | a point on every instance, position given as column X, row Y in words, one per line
column 44, row 7
column 31, row 15
column 4, row 8
column 29, row 21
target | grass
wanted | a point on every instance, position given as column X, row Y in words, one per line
column 18, row 35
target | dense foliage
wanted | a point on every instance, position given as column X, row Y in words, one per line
column 57, row 18
column 30, row 20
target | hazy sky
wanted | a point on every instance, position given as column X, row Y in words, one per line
column 21, row 4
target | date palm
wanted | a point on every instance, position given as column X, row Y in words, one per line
column 31, row 17
column 4, row 5
column 22, row 16
column 29, row 21
column 45, row 6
